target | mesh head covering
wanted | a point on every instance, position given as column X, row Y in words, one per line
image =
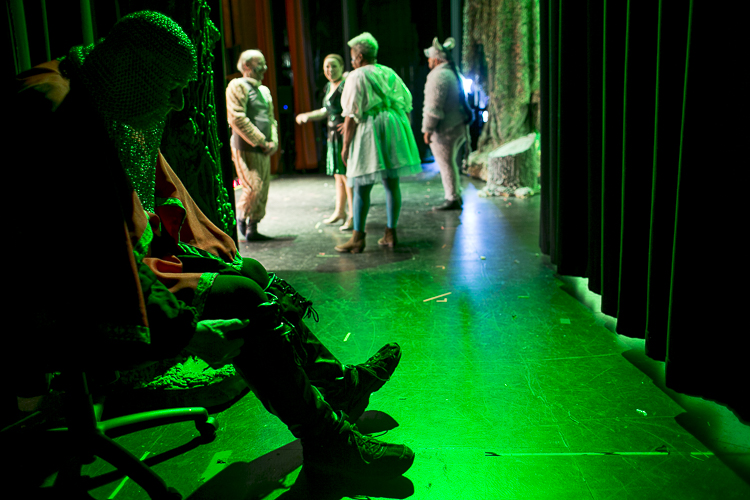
column 438, row 51
column 130, row 76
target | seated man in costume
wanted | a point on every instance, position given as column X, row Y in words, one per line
column 138, row 269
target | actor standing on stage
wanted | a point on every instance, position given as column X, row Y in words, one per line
column 379, row 145
column 333, row 68
column 255, row 138
column 444, row 119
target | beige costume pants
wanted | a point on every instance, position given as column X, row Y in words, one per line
column 254, row 173
column 445, row 147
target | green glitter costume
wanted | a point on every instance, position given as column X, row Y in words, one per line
column 335, row 140
column 132, row 95
column 153, row 58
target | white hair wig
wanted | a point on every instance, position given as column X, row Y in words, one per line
column 366, row 45
column 246, row 56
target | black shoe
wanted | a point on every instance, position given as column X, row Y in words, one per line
column 450, row 205
column 351, row 453
column 241, row 229
column 252, row 233
column 367, row 378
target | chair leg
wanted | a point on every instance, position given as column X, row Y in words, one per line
column 203, row 423
column 138, row 471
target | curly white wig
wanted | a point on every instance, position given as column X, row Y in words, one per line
column 247, row 56
column 366, row 45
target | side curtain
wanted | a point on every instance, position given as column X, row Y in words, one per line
column 249, row 25
column 632, row 121
column 304, row 82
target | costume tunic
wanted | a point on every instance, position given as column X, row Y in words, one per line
column 251, row 116
column 335, row 140
column 383, row 144
column 442, row 108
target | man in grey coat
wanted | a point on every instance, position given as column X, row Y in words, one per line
column 444, row 119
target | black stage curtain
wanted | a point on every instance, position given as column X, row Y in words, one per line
column 638, row 166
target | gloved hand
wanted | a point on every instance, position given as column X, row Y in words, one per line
column 211, row 342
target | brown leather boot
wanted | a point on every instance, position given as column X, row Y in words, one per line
column 355, row 245
column 390, row 239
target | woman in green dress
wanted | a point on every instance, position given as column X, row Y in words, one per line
column 333, row 67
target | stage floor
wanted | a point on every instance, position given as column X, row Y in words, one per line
column 509, row 386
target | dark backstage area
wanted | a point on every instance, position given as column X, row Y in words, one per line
column 372, row 249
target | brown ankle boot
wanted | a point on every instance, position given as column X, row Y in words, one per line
column 355, row 245
column 390, row 239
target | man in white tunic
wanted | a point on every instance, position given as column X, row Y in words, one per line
column 255, row 138
column 444, row 119
column 378, row 142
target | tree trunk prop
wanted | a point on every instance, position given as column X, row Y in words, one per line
column 501, row 53
column 513, row 169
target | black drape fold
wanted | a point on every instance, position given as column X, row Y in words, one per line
column 632, row 99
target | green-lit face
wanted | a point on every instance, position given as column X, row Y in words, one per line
column 256, row 68
column 332, row 69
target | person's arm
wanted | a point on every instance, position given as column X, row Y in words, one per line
column 434, row 103
column 350, row 127
column 273, row 145
column 312, row 116
column 237, row 117
column 351, row 104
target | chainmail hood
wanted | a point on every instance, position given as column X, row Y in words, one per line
column 130, row 76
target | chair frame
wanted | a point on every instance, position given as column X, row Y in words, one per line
column 90, row 439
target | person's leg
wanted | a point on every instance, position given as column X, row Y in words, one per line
column 263, row 165
column 244, row 201
column 445, row 147
column 233, row 297
column 345, row 387
column 392, row 200
column 361, row 207
column 322, row 368
column 254, row 270
column 457, row 141
column 259, row 178
column 338, row 211
column 330, row 444
column 393, row 210
column 349, row 195
column 349, row 224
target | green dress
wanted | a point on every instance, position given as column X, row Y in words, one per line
column 332, row 103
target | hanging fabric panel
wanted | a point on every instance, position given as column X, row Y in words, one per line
column 622, row 182
column 305, row 145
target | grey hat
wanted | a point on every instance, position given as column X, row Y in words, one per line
column 439, row 51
